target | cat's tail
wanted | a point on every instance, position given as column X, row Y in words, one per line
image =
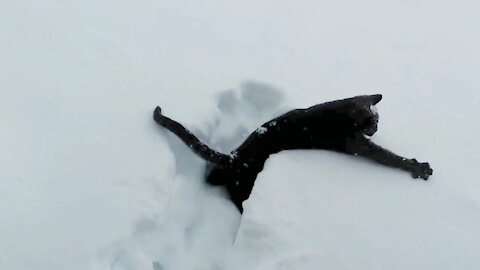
column 199, row 148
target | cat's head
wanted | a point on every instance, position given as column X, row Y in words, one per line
column 364, row 114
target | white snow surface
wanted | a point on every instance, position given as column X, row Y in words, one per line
column 89, row 181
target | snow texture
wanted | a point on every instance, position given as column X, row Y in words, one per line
column 261, row 130
column 89, row 181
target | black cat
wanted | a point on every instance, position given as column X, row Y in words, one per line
column 342, row 126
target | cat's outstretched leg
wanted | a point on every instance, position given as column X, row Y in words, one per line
column 362, row 146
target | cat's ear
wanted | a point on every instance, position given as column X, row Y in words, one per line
column 374, row 99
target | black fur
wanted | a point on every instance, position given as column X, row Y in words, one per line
column 342, row 126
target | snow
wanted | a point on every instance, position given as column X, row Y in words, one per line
column 89, row 181
column 261, row 130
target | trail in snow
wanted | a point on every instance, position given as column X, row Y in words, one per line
column 199, row 222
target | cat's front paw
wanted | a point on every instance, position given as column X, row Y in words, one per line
column 421, row 169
